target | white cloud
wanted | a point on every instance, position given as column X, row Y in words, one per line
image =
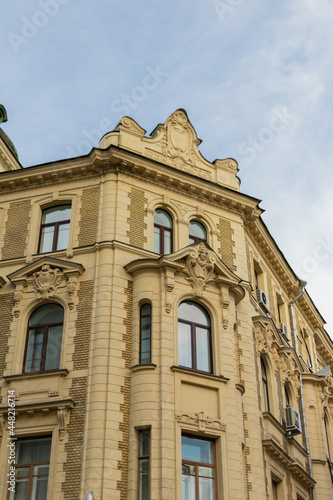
column 231, row 76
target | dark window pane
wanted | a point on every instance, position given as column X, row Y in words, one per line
column 167, row 242
column 197, row 230
column 46, row 315
column 264, row 385
column 145, row 310
column 21, row 490
column 33, row 450
column 34, row 353
column 145, row 340
column 46, row 240
column 143, row 464
column 206, row 489
column 184, row 345
column 203, row 349
column 53, row 347
column 206, row 471
column 197, row 450
column 44, row 342
column 144, row 443
column 162, row 218
column 188, row 484
column 63, row 236
column 196, row 477
column 157, row 247
column 144, row 483
column 194, row 313
column 56, row 214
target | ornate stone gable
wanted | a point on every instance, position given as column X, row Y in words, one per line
column 200, row 267
column 46, row 277
column 173, row 143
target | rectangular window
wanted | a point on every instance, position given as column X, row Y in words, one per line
column 275, row 490
column 143, row 464
column 32, row 469
column 54, row 231
column 198, row 469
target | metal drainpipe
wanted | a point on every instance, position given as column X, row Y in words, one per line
column 301, row 392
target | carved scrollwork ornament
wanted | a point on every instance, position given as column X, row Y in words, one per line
column 46, row 281
column 71, row 287
column 324, row 397
column 225, row 300
column 200, row 267
column 275, row 358
column 17, row 301
column 263, row 344
column 329, row 382
column 169, row 286
column 62, row 415
column 201, row 421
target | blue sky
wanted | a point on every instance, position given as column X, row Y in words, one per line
column 255, row 78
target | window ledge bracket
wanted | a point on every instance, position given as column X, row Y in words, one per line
column 189, row 371
column 143, row 367
column 46, row 373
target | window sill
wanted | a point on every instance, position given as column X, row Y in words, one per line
column 189, row 371
column 143, row 367
column 61, row 373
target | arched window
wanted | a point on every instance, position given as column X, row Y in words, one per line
column 162, row 232
column 327, row 435
column 197, row 232
column 287, row 396
column 54, row 230
column 194, row 337
column 44, row 339
column 145, row 334
column 264, row 382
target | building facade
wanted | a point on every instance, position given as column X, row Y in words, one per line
column 154, row 342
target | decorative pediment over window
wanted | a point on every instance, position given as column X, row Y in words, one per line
column 200, row 266
column 45, row 277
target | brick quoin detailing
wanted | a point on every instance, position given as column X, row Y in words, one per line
column 16, row 230
column 82, row 324
column 78, row 391
column 89, row 216
column 74, row 445
column 125, row 391
column 6, row 306
column 136, row 219
column 225, row 240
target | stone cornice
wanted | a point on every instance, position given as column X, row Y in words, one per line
column 281, row 456
column 48, row 373
column 115, row 159
column 272, row 253
column 267, row 246
column 189, row 371
column 44, row 407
